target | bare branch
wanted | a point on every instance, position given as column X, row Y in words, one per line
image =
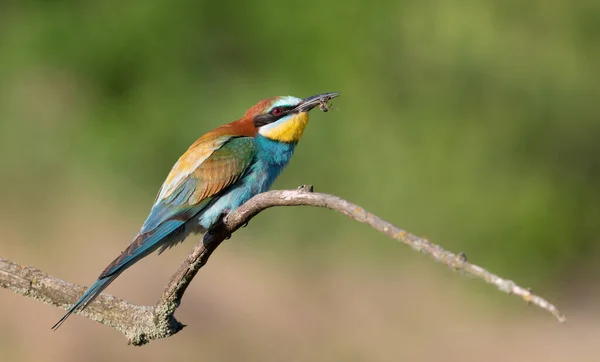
column 141, row 324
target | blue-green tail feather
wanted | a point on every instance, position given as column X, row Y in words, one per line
column 87, row 297
column 167, row 234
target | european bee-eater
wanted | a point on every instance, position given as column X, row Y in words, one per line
column 219, row 172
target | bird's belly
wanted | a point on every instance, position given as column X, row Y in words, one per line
column 257, row 181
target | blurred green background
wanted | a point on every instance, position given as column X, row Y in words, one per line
column 473, row 123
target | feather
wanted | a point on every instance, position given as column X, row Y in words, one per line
column 180, row 200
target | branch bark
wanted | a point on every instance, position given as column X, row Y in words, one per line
column 142, row 324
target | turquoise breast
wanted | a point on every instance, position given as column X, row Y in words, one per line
column 270, row 159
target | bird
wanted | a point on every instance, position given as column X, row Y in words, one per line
column 218, row 173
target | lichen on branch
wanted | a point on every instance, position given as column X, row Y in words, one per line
column 141, row 324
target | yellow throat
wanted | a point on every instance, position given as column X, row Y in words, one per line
column 290, row 130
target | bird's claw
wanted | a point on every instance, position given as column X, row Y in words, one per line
column 306, row 188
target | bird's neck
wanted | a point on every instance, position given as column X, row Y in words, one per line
column 274, row 153
column 287, row 129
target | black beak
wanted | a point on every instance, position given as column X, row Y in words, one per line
column 311, row 102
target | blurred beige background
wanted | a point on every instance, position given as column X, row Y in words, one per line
column 472, row 123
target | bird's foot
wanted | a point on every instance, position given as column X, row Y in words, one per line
column 306, row 188
column 224, row 215
column 222, row 221
column 219, row 229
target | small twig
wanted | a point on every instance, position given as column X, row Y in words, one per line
column 436, row 252
column 141, row 324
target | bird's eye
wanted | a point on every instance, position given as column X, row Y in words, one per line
column 277, row 111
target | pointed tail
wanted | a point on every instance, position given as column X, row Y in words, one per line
column 142, row 246
column 87, row 298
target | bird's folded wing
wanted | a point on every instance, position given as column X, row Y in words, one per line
column 198, row 177
column 201, row 173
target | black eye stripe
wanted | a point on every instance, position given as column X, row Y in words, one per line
column 266, row 118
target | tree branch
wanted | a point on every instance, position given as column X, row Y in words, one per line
column 141, row 324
